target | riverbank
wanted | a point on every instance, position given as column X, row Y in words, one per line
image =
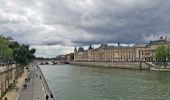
column 123, row 65
column 45, row 84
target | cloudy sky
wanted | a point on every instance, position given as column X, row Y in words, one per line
column 54, row 27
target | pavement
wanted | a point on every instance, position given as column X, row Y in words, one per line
column 34, row 88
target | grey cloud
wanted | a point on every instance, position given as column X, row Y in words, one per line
column 84, row 22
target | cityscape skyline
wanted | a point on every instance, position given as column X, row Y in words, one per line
column 56, row 27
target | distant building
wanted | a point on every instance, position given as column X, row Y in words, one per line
column 105, row 53
column 61, row 57
column 69, row 57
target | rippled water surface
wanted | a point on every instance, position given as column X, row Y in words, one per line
column 69, row 82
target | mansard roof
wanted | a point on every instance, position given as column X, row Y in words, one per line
column 157, row 42
column 140, row 45
column 113, row 48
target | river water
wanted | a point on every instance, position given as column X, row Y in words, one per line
column 70, row 82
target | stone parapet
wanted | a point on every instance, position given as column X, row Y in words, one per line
column 125, row 65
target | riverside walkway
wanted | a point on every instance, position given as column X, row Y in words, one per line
column 36, row 87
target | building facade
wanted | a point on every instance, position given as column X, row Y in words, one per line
column 105, row 53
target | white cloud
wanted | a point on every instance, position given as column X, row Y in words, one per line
column 52, row 51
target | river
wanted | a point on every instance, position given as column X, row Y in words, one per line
column 70, row 82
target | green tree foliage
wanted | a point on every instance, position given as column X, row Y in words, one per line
column 22, row 54
column 168, row 52
column 5, row 51
column 163, row 53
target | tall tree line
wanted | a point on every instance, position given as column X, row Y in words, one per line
column 12, row 51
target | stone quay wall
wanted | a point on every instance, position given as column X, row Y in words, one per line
column 123, row 65
column 44, row 82
column 7, row 75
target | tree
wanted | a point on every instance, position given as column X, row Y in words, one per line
column 13, row 51
column 10, row 50
column 22, row 55
column 5, row 52
column 168, row 52
column 163, row 54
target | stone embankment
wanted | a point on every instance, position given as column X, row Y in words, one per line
column 7, row 75
column 45, row 84
column 123, row 65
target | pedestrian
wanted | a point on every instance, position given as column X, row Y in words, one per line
column 5, row 98
column 16, row 88
column 51, row 95
column 40, row 77
column 36, row 75
column 47, row 97
column 25, row 79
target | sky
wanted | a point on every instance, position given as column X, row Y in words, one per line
column 55, row 27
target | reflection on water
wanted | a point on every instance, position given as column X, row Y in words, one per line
column 69, row 82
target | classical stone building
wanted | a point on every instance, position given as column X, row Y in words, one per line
column 105, row 53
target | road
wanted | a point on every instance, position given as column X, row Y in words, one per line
column 34, row 88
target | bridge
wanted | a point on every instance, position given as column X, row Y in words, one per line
column 52, row 62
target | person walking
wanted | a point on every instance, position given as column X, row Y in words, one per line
column 5, row 98
column 51, row 96
column 16, row 88
column 47, row 97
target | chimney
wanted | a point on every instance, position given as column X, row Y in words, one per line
column 118, row 44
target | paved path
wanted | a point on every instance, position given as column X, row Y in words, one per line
column 34, row 88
